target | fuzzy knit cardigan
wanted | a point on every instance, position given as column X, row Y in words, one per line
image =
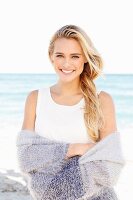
column 50, row 176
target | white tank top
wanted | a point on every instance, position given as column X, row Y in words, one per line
column 60, row 122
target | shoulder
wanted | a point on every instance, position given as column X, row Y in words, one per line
column 108, row 110
column 30, row 110
column 31, row 101
column 32, row 96
column 105, row 98
column 107, row 105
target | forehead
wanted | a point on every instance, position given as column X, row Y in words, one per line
column 67, row 44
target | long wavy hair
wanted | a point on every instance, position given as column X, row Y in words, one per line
column 93, row 116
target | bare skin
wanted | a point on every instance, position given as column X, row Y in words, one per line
column 68, row 55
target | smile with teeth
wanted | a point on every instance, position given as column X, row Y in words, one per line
column 67, row 71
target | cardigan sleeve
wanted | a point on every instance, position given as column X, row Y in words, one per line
column 100, row 173
column 36, row 152
column 101, row 166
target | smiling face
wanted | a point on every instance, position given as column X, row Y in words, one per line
column 68, row 59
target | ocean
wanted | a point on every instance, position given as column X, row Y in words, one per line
column 14, row 89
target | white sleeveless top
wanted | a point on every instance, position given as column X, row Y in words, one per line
column 60, row 122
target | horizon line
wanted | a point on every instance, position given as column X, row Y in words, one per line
column 128, row 73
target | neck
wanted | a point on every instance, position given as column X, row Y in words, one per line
column 68, row 89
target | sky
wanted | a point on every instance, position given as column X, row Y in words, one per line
column 27, row 26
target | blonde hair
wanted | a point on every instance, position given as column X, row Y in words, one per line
column 93, row 115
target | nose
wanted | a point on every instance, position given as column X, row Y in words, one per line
column 67, row 64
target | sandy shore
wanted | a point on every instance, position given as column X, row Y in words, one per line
column 13, row 185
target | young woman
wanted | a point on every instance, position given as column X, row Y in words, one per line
column 69, row 147
column 72, row 110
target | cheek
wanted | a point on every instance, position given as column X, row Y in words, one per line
column 57, row 63
column 80, row 64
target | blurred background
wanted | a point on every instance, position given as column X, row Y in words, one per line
column 26, row 29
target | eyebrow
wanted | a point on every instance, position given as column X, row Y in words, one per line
column 70, row 54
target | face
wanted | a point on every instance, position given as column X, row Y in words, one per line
column 68, row 59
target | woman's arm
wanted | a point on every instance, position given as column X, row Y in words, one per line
column 108, row 109
column 30, row 111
